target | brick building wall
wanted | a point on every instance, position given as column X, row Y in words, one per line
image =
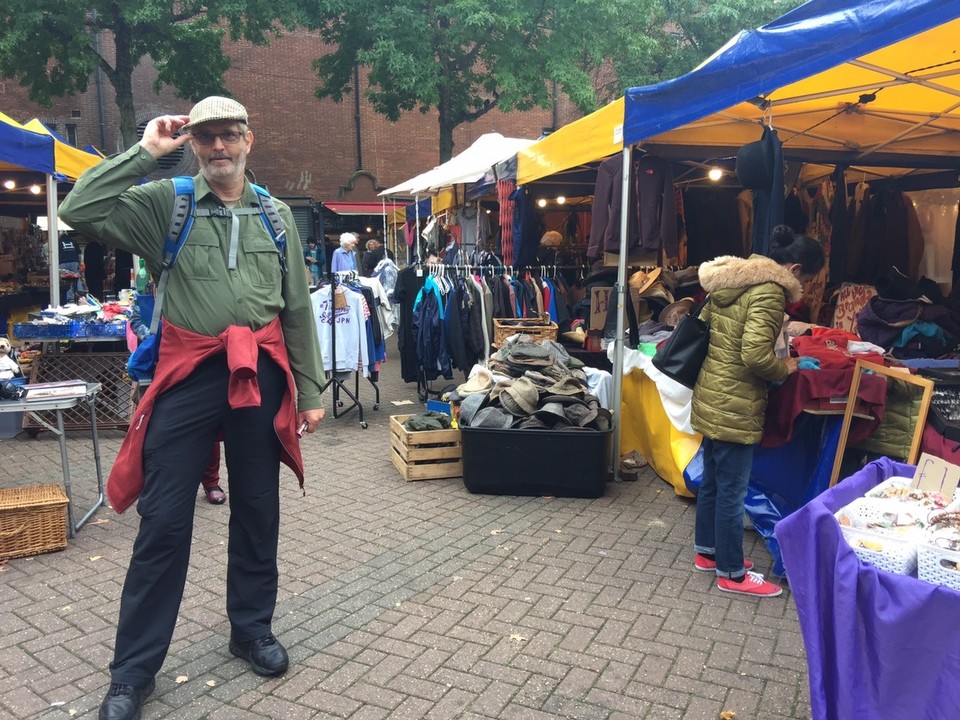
column 302, row 145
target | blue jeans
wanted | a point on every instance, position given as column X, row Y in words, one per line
column 719, row 531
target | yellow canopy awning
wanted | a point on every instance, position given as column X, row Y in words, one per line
column 590, row 138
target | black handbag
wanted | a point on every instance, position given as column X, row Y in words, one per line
column 682, row 355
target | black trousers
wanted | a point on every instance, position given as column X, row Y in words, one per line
column 184, row 426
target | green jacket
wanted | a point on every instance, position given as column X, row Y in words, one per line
column 745, row 314
column 204, row 294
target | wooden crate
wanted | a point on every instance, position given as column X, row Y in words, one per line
column 33, row 520
column 426, row 454
column 537, row 329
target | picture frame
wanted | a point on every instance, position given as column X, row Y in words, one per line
column 859, row 369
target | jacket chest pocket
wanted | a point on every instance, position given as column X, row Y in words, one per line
column 264, row 261
column 200, row 257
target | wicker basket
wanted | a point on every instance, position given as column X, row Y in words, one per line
column 33, row 520
column 537, row 329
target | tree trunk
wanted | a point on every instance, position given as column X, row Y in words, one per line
column 444, row 109
column 122, row 81
column 446, row 137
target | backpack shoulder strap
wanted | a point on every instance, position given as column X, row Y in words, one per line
column 270, row 216
column 181, row 219
column 181, row 222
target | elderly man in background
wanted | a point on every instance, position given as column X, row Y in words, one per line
column 345, row 256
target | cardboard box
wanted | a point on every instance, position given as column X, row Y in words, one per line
column 7, row 265
column 600, row 304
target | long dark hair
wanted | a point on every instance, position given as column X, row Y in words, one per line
column 788, row 247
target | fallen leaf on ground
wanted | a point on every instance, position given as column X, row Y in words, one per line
column 496, row 532
column 728, row 715
column 212, row 683
column 518, row 638
column 94, row 558
column 101, row 521
column 181, row 679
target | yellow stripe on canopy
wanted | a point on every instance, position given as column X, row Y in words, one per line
column 69, row 161
column 590, row 138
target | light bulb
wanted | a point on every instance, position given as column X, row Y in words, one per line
column 561, row 200
column 541, row 202
column 35, row 189
column 715, row 174
column 9, row 184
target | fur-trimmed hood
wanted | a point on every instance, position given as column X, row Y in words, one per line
column 737, row 274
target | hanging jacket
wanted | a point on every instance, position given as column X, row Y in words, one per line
column 430, row 334
column 745, row 314
column 181, row 352
column 653, row 220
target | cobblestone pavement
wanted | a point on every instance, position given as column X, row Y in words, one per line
column 409, row 600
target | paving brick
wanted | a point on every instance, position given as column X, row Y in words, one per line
column 398, row 601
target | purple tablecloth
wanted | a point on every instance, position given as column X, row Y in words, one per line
column 879, row 646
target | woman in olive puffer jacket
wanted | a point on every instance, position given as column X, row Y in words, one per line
column 745, row 314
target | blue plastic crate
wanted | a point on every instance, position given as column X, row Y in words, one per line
column 104, row 329
column 38, row 331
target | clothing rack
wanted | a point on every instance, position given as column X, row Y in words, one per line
column 440, row 268
column 492, row 270
column 339, row 385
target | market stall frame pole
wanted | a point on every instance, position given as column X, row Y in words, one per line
column 53, row 236
column 416, row 236
column 621, row 294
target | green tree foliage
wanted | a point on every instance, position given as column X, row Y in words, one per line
column 695, row 29
column 54, row 47
column 465, row 57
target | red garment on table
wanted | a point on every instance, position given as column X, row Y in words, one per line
column 937, row 445
column 829, row 346
column 787, row 401
column 181, row 352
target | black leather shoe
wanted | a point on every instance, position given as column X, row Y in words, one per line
column 265, row 655
column 123, row 702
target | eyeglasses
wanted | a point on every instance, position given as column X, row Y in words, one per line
column 229, row 137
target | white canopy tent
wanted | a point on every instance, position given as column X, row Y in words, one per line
column 467, row 167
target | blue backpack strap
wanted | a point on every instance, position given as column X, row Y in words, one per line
column 270, row 217
column 181, row 220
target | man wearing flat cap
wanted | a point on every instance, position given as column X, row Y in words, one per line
column 238, row 355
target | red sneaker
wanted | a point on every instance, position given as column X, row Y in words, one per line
column 706, row 564
column 753, row 584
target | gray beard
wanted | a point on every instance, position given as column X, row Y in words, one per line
column 237, row 173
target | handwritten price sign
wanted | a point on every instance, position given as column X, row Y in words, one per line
column 936, row 475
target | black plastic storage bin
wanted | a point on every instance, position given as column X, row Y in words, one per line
column 561, row 463
column 945, row 403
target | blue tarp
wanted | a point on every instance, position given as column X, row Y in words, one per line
column 812, row 38
column 426, row 210
column 785, row 478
